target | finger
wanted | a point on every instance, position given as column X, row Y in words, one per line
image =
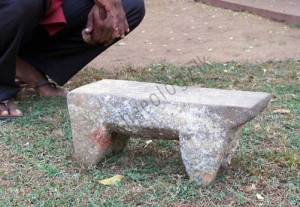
column 102, row 12
column 90, row 24
column 118, row 27
column 109, row 37
column 96, row 36
column 109, row 43
column 105, row 31
column 113, row 31
column 104, row 36
column 98, row 28
column 109, row 31
column 122, row 17
column 122, row 30
column 86, row 32
column 88, row 38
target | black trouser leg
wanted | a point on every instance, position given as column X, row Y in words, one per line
column 18, row 18
column 63, row 55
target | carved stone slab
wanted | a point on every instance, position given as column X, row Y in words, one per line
column 206, row 121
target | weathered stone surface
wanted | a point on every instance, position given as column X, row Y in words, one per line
column 207, row 122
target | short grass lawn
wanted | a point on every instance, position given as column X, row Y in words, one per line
column 37, row 168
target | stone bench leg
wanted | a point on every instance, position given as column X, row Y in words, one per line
column 201, row 159
column 233, row 137
column 102, row 143
column 203, row 152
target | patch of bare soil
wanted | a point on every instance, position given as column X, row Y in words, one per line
column 178, row 31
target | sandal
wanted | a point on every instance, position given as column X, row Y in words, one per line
column 5, row 115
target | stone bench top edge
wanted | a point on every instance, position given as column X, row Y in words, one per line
column 157, row 92
column 255, row 108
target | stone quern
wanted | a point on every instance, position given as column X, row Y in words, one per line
column 206, row 121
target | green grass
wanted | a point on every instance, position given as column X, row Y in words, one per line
column 37, row 168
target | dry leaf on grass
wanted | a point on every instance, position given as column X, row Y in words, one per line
column 147, row 143
column 111, row 181
column 282, row 111
column 259, row 197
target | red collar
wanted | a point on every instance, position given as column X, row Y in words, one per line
column 54, row 19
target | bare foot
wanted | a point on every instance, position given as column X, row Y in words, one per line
column 49, row 90
column 9, row 110
column 31, row 76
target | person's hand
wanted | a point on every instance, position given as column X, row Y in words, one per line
column 116, row 12
column 106, row 22
column 98, row 28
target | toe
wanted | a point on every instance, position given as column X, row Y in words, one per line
column 4, row 113
column 3, row 110
column 14, row 110
column 8, row 108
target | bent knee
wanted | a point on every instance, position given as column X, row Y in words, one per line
column 135, row 11
column 139, row 7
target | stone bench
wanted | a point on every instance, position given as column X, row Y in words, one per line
column 207, row 122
